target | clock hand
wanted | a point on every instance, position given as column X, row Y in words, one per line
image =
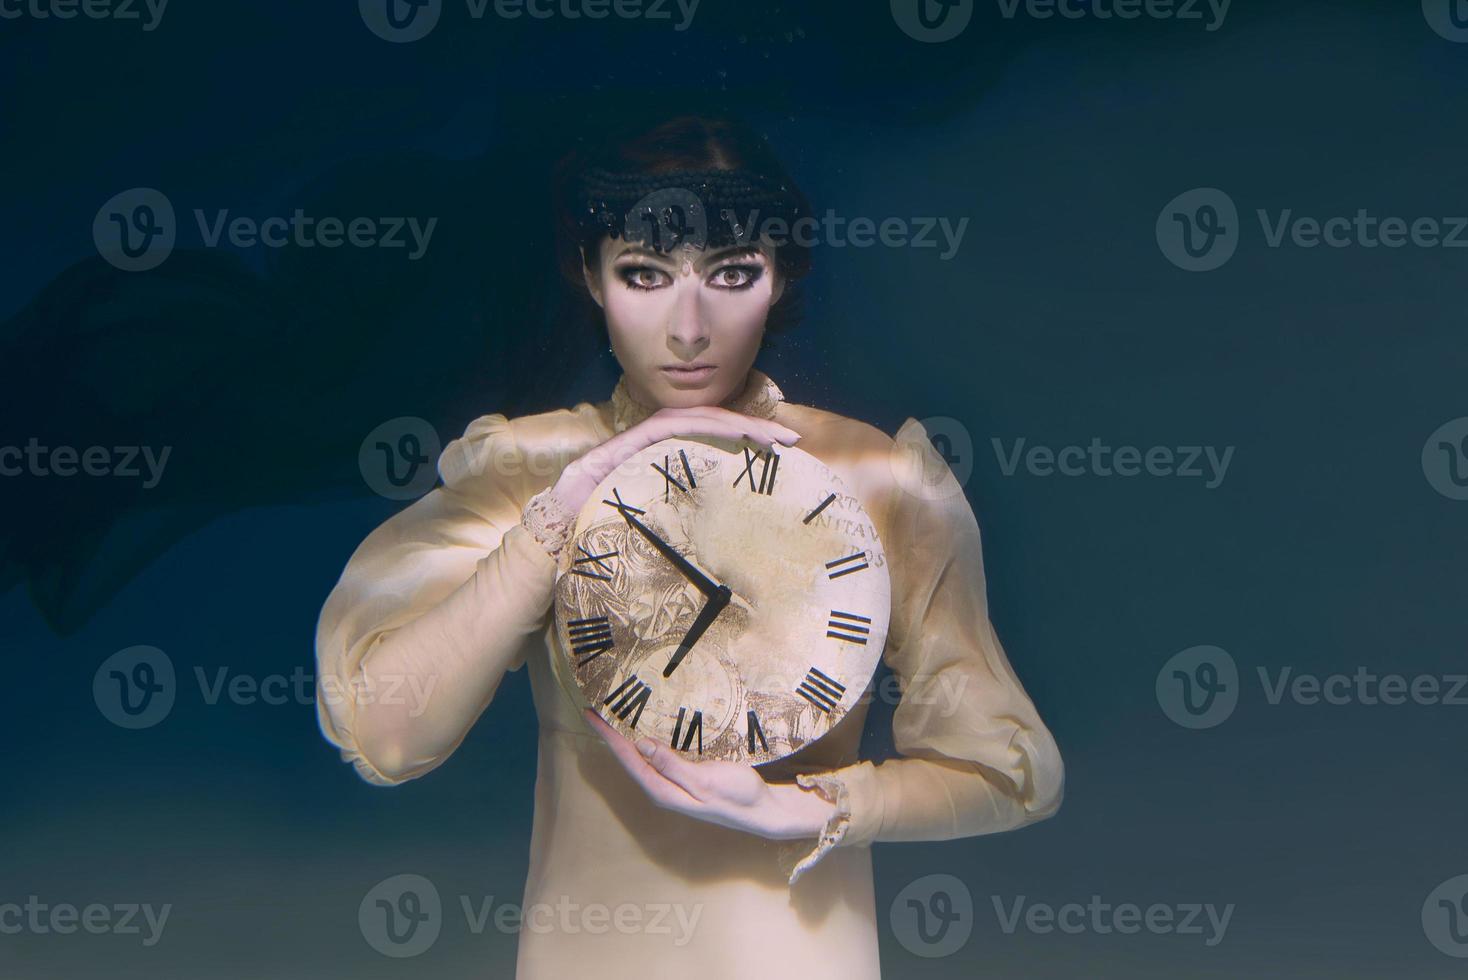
column 701, row 622
column 705, row 584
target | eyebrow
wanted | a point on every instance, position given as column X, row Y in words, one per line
column 729, row 252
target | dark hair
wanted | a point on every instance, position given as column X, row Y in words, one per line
column 684, row 142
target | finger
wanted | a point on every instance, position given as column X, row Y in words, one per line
column 672, row 766
column 663, row 790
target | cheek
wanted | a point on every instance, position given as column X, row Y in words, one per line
column 629, row 311
column 738, row 312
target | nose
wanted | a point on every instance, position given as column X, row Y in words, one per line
column 687, row 333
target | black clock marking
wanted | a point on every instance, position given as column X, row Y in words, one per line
column 849, row 626
column 821, row 690
column 670, row 480
column 823, row 505
column 770, row 463
column 604, row 574
column 631, row 694
column 695, row 728
column 622, row 506
column 592, row 637
column 755, row 729
column 848, row 564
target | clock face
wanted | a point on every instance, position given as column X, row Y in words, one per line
column 729, row 602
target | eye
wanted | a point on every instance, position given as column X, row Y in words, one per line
column 643, row 277
column 736, row 276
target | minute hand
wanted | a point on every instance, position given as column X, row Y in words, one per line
column 705, row 584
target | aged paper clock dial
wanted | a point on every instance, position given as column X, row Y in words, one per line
column 729, row 602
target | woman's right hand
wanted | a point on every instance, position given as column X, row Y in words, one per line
column 582, row 475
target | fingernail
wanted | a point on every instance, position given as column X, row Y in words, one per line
column 645, row 746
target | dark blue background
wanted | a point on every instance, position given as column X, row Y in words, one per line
column 1059, row 320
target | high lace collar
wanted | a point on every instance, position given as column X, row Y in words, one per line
column 759, row 398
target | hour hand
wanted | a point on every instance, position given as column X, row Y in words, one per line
column 701, row 623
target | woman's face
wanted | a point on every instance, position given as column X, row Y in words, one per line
column 688, row 307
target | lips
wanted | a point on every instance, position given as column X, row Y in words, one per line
column 688, row 372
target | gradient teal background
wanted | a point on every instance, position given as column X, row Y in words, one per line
column 1059, row 320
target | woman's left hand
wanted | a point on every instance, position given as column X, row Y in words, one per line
column 730, row 794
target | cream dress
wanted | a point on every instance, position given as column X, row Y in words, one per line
column 977, row 758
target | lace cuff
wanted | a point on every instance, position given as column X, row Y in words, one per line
column 833, row 790
column 548, row 522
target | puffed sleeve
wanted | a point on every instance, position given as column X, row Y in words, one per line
column 977, row 758
column 439, row 600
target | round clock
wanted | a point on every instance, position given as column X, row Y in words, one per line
column 730, row 602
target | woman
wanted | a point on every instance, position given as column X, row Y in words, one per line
column 767, row 876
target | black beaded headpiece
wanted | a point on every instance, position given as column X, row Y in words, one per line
column 704, row 208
